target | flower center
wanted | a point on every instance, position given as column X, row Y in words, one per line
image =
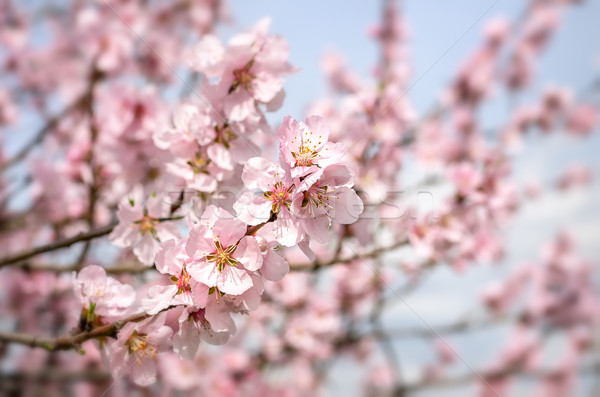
column 222, row 256
column 318, row 197
column 138, row 344
column 243, row 77
column 182, row 282
column 199, row 164
column 146, row 224
column 199, row 318
column 225, row 135
column 304, row 157
column 280, row 196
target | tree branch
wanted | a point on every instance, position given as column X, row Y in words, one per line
column 466, row 378
column 70, row 341
column 56, row 375
column 39, row 136
column 64, row 243
column 316, row 265
column 463, row 325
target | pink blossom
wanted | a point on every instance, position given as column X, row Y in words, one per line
column 381, row 378
column 250, row 70
column 136, row 347
column 171, row 259
column 466, row 178
column 338, row 74
column 325, row 196
column 304, row 147
column 189, row 125
column 207, row 55
column 196, row 172
column 101, row 295
column 222, row 254
column 582, row 119
column 277, row 190
column 274, row 266
column 575, row 175
column 141, row 226
column 194, row 327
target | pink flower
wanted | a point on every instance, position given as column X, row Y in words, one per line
column 136, row 347
column 196, row 171
column 325, row 196
column 305, row 148
column 177, row 373
column 250, row 70
column 141, row 226
column 222, row 254
column 171, row 259
column 207, row 55
column 213, row 323
column 382, row 378
column 194, row 326
column 582, row 119
column 340, row 77
column 101, row 295
column 575, row 175
column 189, row 125
column 108, row 41
column 274, row 266
column 466, row 178
column 277, row 189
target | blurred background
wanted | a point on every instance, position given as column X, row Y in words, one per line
column 441, row 36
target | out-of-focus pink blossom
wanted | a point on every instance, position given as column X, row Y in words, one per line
column 101, row 295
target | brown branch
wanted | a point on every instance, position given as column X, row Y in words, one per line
column 316, row 265
column 465, row 325
column 466, row 378
column 70, row 341
column 93, row 188
column 58, row 268
column 56, row 375
column 64, row 243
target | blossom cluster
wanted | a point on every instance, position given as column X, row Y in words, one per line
column 167, row 210
column 220, row 265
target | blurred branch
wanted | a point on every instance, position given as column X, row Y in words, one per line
column 70, row 341
column 383, row 337
column 40, row 135
column 55, row 375
column 463, row 325
column 64, row 243
column 93, row 188
column 58, row 268
column 461, row 380
column 316, row 265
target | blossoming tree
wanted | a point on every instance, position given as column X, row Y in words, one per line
column 160, row 235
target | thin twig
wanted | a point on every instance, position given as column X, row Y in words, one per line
column 316, row 265
column 70, row 341
column 464, row 325
column 64, row 243
column 39, row 136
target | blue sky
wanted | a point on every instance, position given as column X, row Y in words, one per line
column 314, row 27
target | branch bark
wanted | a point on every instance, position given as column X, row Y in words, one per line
column 64, row 243
column 70, row 341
